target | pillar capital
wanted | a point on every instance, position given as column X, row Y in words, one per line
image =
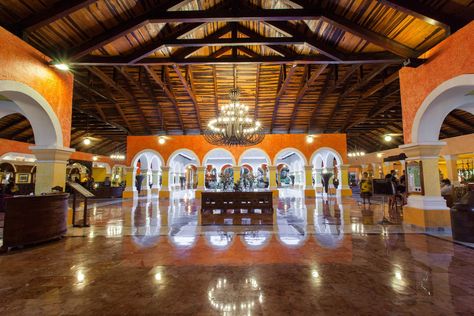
column 308, row 167
column 165, row 168
column 422, row 150
column 50, row 167
column 51, row 154
column 271, row 167
column 200, row 168
column 450, row 157
column 344, row 166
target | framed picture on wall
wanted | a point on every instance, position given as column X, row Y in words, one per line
column 23, row 178
column 414, row 177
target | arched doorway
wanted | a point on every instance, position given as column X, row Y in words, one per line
column 255, row 171
column 49, row 149
column 327, row 161
column 183, row 170
column 290, row 172
column 219, row 167
column 147, row 165
column 425, row 205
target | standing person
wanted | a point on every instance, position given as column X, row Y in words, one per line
column 365, row 188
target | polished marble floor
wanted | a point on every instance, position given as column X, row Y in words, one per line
column 331, row 256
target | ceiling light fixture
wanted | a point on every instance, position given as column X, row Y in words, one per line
column 310, row 139
column 161, row 140
column 61, row 66
column 387, row 138
column 233, row 126
column 87, row 141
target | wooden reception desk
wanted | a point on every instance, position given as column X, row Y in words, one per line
column 34, row 219
column 237, row 208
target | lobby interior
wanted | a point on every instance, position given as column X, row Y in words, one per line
column 236, row 157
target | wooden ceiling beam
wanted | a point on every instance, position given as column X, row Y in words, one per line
column 330, row 89
column 363, row 32
column 138, row 86
column 281, row 50
column 302, row 92
column 221, row 51
column 55, row 12
column 168, row 93
column 120, row 30
column 191, row 94
column 149, row 49
column 462, row 120
column 248, row 51
column 113, row 84
column 302, row 60
column 99, row 118
column 421, row 11
column 385, row 82
column 185, row 52
column 243, row 14
column 205, row 42
column 257, row 90
column 376, row 110
column 154, row 99
column 281, row 92
column 214, row 80
column 326, row 50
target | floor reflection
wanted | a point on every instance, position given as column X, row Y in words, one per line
column 326, row 255
column 326, row 219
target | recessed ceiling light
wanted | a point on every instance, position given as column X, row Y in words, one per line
column 62, row 66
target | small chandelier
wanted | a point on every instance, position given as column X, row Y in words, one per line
column 233, row 126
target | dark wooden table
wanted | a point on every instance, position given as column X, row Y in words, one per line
column 237, row 208
column 34, row 219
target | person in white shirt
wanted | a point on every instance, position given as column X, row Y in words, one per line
column 446, row 187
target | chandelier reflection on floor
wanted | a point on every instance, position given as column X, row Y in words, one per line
column 233, row 126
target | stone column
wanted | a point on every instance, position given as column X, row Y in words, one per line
column 427, row 210
column 130, row 188
column 309, row 189
column 452, row 168
column 50, row 167
column 344, row 185
column 164, row 190
column 201, row 173
column 236, row 173
column 272, row 170
column 155, row 176
column 145, row 189
column 331, row 186
column 317, row 180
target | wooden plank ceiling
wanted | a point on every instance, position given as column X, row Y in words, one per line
column 165, row 67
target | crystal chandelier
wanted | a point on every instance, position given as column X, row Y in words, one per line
column 233, row 126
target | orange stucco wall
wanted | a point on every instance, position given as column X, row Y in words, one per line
column 272, row 144
column 451, row 58
column 21, row 62
column 7, row 146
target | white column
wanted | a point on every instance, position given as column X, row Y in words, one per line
column 50, row 167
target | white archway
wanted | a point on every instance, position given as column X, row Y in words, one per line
column 221, row 153
column 254, row 153
column 32, row 105
column 294, row 162
column 452, row 94
column 150, row 160
column 327, row 154
column 180, row 176
column 289, row 150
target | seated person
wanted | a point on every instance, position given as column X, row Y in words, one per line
column 107, row 182
column 446, row 187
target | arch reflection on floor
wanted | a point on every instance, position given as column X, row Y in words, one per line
column 324, row 222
